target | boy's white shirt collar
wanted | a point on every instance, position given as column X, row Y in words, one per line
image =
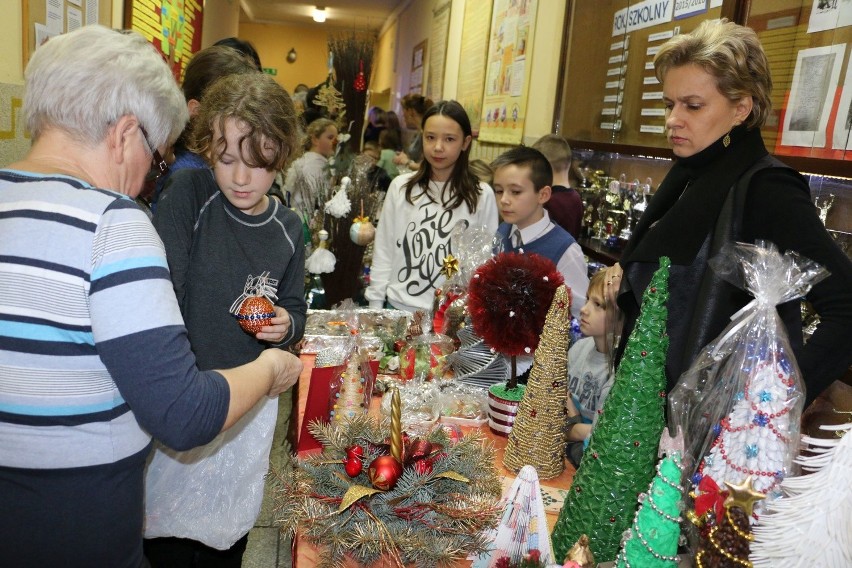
column 534, row 231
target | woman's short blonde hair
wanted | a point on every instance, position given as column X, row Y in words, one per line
column 729, row 52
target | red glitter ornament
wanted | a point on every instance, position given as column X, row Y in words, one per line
column 360, row 81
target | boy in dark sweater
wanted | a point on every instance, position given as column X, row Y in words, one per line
column 219, row 228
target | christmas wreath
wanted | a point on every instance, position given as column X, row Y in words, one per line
column 374, row 492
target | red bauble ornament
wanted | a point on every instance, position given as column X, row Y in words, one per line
column 353, row 466
column 384, row 472
column 254, row 313
column 355, row 451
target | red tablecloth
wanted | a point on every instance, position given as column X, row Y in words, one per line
column 305, row 554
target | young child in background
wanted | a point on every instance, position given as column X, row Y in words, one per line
column 371, row 150
column 219, row 227
column 312, row 167
column 522, row 178
column 422, row 208
column 565, row 205
column 388, row 146
column 589, row 374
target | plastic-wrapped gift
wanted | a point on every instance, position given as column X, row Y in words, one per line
column 464, row 404
column 739, row 405
column 420, row 403
column 472, row 246
column 424, row 356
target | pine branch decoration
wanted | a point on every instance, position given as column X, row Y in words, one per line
column 428, row 519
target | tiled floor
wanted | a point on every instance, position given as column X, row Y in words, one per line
column 267, row 547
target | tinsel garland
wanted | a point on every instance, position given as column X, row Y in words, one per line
column 430, row 518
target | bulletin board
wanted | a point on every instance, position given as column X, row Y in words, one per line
column 44, row 18
column 504, row 100
column 418, row 62
column 809, row 45
column 613, row 95
column 474, row 51
column 172, row 26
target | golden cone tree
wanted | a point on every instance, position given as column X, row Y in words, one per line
column 542, row 410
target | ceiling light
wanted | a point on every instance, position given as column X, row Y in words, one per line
column 319, row 14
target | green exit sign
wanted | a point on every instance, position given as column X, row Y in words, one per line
column 270, row 70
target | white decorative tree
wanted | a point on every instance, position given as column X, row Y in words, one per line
column 812, row 524
column 754, row 439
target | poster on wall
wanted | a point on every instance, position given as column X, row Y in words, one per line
column 474, row 49
column 811, row 95
column 507, row 76
column 418, row 60
column 438, row 54
column 830, row 14
column 173, row 26
column 843, row 121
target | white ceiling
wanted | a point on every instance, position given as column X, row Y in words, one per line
column 347, row 14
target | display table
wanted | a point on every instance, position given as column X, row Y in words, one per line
column 305, row 555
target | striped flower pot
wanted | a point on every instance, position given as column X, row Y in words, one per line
column 501, row 413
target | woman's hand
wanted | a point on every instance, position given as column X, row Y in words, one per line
column 613, row 283
column 276, row 332
column 287, row 368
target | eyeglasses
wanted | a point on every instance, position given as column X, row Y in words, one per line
column 159, row 166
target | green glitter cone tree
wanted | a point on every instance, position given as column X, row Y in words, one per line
column 653, row 538
column 619, row 463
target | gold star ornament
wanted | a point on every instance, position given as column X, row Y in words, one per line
column 450, row 266
column 743, row 495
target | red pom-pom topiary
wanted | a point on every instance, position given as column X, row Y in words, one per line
column 508, row 299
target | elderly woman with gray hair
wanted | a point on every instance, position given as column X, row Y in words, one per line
column 94, row 355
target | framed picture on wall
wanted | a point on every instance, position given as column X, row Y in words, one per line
column 418, row 60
